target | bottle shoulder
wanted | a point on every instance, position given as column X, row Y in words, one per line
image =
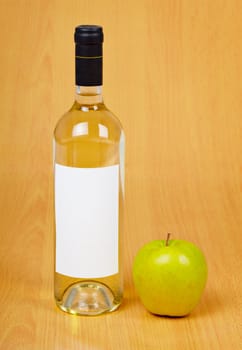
column 88, row 121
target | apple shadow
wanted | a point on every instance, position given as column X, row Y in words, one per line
column 212, row 302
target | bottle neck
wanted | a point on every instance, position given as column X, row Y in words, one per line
column 89, row 95
column 89, row 62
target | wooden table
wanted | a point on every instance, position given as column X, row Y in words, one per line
column 173, row 74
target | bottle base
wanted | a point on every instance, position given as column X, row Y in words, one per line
column 88, row 298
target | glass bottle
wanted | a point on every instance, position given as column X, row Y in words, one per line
column 88, row 191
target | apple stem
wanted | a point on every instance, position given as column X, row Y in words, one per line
column 167, row 239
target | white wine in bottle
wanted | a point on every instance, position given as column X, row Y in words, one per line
column 88, row 191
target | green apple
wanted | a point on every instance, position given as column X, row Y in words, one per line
column 170, row 276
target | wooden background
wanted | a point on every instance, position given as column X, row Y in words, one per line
column 173, row 74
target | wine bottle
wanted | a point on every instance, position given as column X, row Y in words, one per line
column 88, row 191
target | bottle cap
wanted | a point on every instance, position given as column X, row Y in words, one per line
column 88, row 34
column 88, row 46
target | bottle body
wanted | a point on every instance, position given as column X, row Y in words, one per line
column 89, row 163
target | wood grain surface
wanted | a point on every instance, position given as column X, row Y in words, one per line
column 173, row 74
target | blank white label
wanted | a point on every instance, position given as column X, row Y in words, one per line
column 86, row 215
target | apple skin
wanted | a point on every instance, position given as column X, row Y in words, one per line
column 170, row 279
